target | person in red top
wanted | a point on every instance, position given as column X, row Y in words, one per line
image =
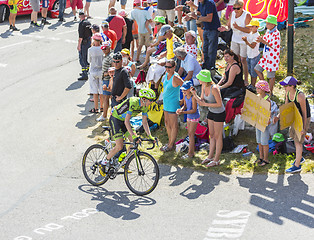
column 108, row 34
column 117, row 24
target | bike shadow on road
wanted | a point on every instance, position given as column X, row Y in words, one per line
column 117, row 204
column 278, row 201
column 179, row 175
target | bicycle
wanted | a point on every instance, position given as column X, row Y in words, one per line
column 141, row 171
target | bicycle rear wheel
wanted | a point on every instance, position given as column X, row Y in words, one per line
column 91, row 164
column 141, row 175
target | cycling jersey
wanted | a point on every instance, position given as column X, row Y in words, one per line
column 130, row 106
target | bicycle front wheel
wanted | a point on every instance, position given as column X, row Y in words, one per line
column 91, row 164
column 141, row 174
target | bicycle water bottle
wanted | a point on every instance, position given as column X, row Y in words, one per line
column 122, row 156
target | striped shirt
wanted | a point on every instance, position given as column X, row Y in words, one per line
column 106, row 64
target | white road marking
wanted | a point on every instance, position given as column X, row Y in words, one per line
column 70, row 41
column 54, row 39
column 14, row 44
column 3, row 65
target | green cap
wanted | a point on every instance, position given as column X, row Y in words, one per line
column 204, row 76
column 160, row 19
column 278, row 137
column 271, row 19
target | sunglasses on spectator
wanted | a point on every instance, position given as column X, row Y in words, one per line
column 169, row 66
column 116, row 61
column 236, row 8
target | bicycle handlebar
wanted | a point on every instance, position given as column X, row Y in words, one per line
column 135, row 145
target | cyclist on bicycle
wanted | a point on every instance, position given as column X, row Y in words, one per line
column 120, row 120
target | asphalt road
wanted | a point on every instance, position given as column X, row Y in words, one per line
column 45, row 129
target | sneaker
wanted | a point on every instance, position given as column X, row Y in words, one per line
column 294, row 169
column 36, row 24
column 83, row 78
column 301, row 162
column 11, row 27
column 101, row 118
column 61, row 20
column 74, row 18
column 45, row 22
column 15, row 28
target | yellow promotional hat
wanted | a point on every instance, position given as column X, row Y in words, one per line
column 253, row 22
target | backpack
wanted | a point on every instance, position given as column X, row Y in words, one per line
column 202, row 132
column 141, row 77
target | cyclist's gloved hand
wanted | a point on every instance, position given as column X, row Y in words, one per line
column 151, row 138
column 135, row 138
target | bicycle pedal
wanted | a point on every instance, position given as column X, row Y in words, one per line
column 102, row 171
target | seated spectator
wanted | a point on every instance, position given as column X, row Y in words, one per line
column 232, row 80
column 172, row 41
column 189, row 65
column 190, row 43
column 159, row 42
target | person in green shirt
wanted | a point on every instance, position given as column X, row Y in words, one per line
column 120, row 119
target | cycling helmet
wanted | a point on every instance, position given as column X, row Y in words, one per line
column 117, row 56
column 147, row 93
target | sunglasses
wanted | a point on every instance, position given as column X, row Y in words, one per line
column 169, row 66
column 116, row 61
column 234, row 8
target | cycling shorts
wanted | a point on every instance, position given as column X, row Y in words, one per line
column 14, row 10
column 118, row 128
column 45, row 4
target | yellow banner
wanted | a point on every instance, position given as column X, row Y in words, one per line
column 290, row 116
column 256, row 111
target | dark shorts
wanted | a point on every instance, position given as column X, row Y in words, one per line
column 216, row 117
column 118, row 128
column 170, row 112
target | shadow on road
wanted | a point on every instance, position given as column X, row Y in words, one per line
column 75, row 85
column 89, row 119
column 117, row 204
column 277, row 201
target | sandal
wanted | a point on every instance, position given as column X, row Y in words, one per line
column 168, row 149
column 259, row 161
column 213, row 163
column 163, row 147
column 207, row 160
column 186, row 156
column 263, row 163
column 101, row 109
column 93, row 110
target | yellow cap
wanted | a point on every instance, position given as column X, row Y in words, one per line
column 253, row 22
column 125, row 51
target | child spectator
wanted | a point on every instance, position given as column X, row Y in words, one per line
column 190, row 107
column 13, row 11
column 253, row 54
column 262, row 138
column 95, row 57
column 295, row 95
column 271, row 52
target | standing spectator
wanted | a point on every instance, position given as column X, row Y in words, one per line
column 108, row 34
column 191, row 22
column 62, row 6
column 112, row 3
column 135, row 38
column 229, row 8
column 190, row 107
column 118, row 25
column 189, row 65
column 238, row 22
column 211, row 98
column 207, row 14
column 36, row 7
column 121, row 81
column 106, row 64
column 295, row 95
column 253, row 54
column 86, row 8
column 44, row 11
column 76, row 4
column 84, row 44
column 142, row 18
column 95, row 29
column 171, row 99
column 166, row 8
column 129, row 28
column 95, row 58
column 271, row 53
column 13, row 12
column 220, row 5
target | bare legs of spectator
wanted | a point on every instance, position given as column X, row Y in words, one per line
column 34, row 17
column 171, row 122
column 138, row 53
column 133, row 43
column 106, row 105
column 86, row 9
column 263, row 152
column 149, row 52
column 253, row 81
column 215, row 142
column 12, row 18
column 245, row 70
column 95, row 96
column 191, row 132
column 180, row 12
